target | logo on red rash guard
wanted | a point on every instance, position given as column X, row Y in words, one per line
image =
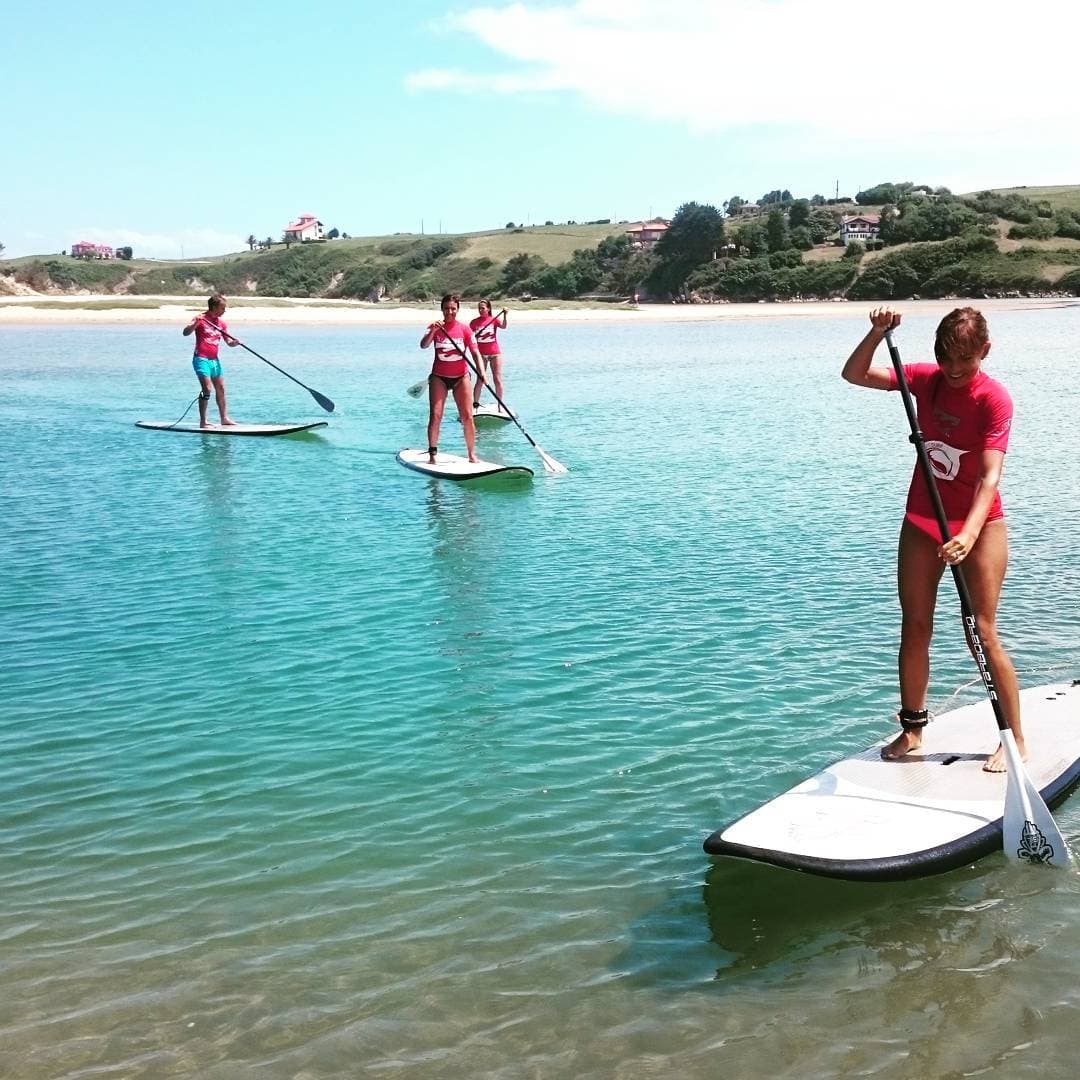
column 944, row 459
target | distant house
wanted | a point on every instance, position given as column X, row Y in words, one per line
column 860, row 227
column 748, row 208
column 86, row 250
column 646, row 234
column 305, row 227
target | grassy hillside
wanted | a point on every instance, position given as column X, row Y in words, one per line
column 1009, row 242
column 405, row 266
column 1063, row 197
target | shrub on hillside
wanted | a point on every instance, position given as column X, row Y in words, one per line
column 518, row 269
column 1012, row 206
column 920, row 220
column 755, row 279
column 1069, row 283
column 94, row 276
column 1039, row 229
column 1067, row 223
column 900, row 274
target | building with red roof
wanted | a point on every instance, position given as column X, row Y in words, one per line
column 84, row 249
column 305, row 227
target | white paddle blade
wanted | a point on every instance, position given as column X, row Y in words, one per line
column 1029, row 832
column 551, row 465
column 417, row 389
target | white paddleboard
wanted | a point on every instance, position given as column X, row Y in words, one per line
column 453, row 467
column 864, row 818
column 234, row 429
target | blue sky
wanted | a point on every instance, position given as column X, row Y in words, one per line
column 182, row 129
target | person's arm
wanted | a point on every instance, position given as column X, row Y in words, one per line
column 502, row 319
column 859, row 369
column 993, row 461
column 229, row 339
column 190, row 328
column 429, row 335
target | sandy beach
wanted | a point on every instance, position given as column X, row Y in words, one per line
column 42, row 310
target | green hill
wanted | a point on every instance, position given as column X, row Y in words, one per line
column 404, row 266
column 1000, row 242
column 1066, row 197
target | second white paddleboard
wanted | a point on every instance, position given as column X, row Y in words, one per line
column 453, row 467
column 229, row 429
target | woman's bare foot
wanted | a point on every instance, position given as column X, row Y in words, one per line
column 227, row 422
column 996, row 761
column 904, row 743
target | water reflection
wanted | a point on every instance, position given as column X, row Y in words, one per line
column 468, row 526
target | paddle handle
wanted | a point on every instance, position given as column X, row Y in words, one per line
column 967, row 609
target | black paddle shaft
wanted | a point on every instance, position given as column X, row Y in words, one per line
column 966, row 609
column 322, row 399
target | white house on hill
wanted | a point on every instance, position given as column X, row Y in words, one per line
column 860, row 227
column 306, row 227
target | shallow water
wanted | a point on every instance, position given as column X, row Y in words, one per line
column 314, row 767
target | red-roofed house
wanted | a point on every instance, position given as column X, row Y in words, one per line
column 646, row 233
column 86, row 250
column 305, row 227
column 860, row 227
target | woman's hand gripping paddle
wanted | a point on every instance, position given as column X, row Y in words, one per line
column 322, row 399
column 1029, row 833
column 550, row 464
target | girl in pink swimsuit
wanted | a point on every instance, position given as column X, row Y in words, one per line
column 486, row 329
column 450, row 374
column 965, row 417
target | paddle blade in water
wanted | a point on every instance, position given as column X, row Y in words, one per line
column 1029, row 832
column 322, row 399
column 550, row 464
column 417, row 388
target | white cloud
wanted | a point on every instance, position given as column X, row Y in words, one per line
column 939, row 68
column 188, row 243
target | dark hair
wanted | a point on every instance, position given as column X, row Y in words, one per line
column 215, row 300
column 962, row 332
column 450, row 296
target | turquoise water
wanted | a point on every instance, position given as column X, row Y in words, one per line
column 314, row 767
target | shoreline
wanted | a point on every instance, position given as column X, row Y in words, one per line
column 88, row 308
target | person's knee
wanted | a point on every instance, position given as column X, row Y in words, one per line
column 988, row 634
column 916, row 629
column 204, row 395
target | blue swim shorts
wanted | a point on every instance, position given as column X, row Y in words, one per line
column 210, row 368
